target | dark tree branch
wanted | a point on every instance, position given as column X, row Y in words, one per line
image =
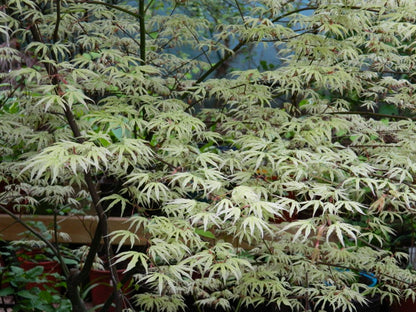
column 102, row 228
column 148, row 6
column 142, row 13
column 371, row 114
column 9, row 96
column 311, row 8
column 221, row 62
column 240, row 12
column 112, row 6
column 58, row 21
column 373, row 145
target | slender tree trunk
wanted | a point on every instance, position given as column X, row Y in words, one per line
column 74, row 295
column 73, row 281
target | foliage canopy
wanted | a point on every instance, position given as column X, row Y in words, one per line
column 146, row 97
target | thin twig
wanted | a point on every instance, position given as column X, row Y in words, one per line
column 148, row 5
column 3, row 102
column 267, row 246
column 38, row 236
column 204, row 51
column 127, row 34
column 374, row 145
column 372, row 114
column 241, row 13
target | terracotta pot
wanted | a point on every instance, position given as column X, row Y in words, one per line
column 3, row 266
column 404, row 306
column 104, row 287
column 27, row 260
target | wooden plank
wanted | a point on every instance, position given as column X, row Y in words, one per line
column 79, row 228
column 82, row 228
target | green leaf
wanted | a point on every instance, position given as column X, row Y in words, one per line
column 304, row 102
column 385, row 121
column 207, row 234
column 6, row 291
column 388, row 109
column 153, row 34
column 341, row 132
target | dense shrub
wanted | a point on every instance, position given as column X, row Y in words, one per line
column 276, row 184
